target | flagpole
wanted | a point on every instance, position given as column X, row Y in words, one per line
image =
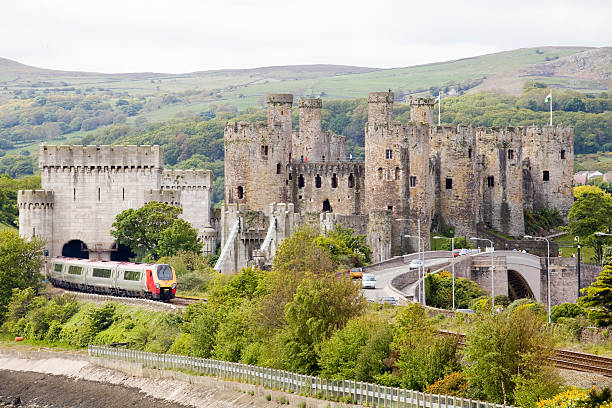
column 551, row 107
column 439, row 105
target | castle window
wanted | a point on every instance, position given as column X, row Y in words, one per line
column 74, row 194
column 33, row 231
column 351, row 181
column 290, row 176
column 388, row 154
column 301, row 181
column 490, row 181
column 318, row 181
column 449, row 183
column 323, row 158
column 327, row 206
column 545, row 175
column 413, row 181
column 390, row 207
column 279, row 169
column 380, row 173
column 98, row 193
column 510, row 154
column 240, row 192
column 470, row 153
column 264, row 150
column 334, row 181
column 397, row 173
column 388, row 174
column 562, row 154
column 123, row 193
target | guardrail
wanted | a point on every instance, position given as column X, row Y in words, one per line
column 343, row 390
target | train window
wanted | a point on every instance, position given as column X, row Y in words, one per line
column 101, row 273
column 75, row 270
column 131, row 275
column 164, row 272
column 57, row 267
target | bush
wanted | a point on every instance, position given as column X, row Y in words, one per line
column 566, row 310
column 454, row 384
column 439, row 291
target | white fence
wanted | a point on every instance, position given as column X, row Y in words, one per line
column 342, row 390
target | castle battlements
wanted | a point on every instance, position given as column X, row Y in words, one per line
column 170, row 197
column 186, row 179
column 35, row 199
column 325, row 168
column 105, row 156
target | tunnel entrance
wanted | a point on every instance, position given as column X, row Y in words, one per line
column 518, row 287
column 121, row 253
column 75, row 249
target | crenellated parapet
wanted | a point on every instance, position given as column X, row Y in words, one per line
column 170, row 197
column 100, row 157
column 35, row 199
column 187, row 179
column 328, row 168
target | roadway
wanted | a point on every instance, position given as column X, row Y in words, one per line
column 383, row 279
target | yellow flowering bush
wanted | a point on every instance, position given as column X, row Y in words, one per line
column 572, row 398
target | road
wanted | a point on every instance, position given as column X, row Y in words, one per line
column 383, row 279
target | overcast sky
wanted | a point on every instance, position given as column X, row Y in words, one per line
column 189, row 35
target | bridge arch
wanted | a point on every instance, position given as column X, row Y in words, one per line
column 518, row 288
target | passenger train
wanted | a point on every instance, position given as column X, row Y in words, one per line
column 146, row 280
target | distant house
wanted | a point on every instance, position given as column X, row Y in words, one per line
column 583, row 177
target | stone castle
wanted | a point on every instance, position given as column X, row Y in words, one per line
column 278, row 178
column 441, row 177
column 85, row 187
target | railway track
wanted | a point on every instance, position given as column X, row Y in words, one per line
column 567, row 359
column 185, row 300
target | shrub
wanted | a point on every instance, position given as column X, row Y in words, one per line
column 566, row 310
column 268, row 397
column 454, row 384
column 571, row 398
column 439, row 291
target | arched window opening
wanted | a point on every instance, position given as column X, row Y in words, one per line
column 397, row 173
column 334, row 181
column 327, row 206
column 380, row 173
column 318, row 181
column 301, row 181
column 240, row 192
column 279, row 168
column 351, row 181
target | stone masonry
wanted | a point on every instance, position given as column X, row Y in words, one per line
column 457, row 177
column 85, row 187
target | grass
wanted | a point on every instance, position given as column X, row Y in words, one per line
column 586, row 253
column 594, row 161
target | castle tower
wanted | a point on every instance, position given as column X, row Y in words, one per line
column 421, row 110
column 380, row 107
column 308, row 147
column 36, row 215
column 279, row 110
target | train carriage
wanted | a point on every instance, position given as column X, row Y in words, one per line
column 147, row 280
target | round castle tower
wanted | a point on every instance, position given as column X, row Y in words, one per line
column 36, row 215
column 422, row 110
column 380, row 107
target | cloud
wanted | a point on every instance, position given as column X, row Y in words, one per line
column 191, row 35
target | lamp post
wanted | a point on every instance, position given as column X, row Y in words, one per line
column 547, row 267
column 452, row 263
column 602, row 234
column 420, row 274
column 492, row 272
column 577, row 239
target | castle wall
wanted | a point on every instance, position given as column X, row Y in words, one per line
column 36, row 215
column 91, row 185
column 455, row 179
column 500, row 155
column 549, row 149
column 341, row 186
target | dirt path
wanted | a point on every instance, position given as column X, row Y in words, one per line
column 30, row 389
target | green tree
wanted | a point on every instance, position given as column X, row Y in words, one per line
column 598, row 298
column 423, row 355
column 590, row 213
column 21, row 262
column 439, row 291
column 154, row 230
column 509, row 351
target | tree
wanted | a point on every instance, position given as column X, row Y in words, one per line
column 591, row 212
column 21, row 261
column 439, row 291
column 154, row 230
column 507, row 352
column 598, row 298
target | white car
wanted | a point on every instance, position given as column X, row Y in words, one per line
column 368, row 281
column 415, row 264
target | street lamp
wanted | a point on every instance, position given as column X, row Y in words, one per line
column 602, row 234
column 452, row 263
column 492, row 271
column 422, row 265
column 547, row 267
column 577, row 239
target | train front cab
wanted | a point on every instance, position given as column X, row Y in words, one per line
column 161, row 281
